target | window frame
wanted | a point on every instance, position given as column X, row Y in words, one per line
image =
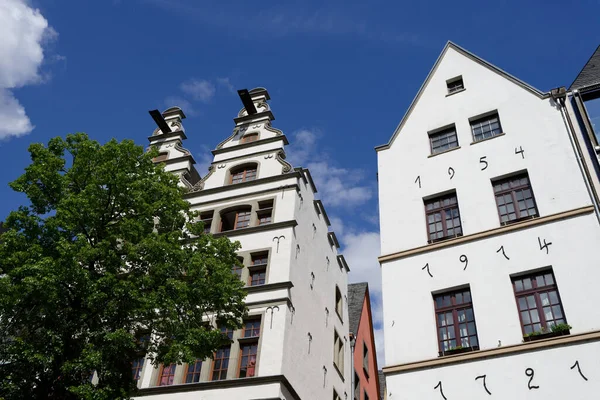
column 170, row 375
column 536, row 291
column 251, row 341
column 338, row 353
column 441, row 132
column 245, row 210
column 259, row 261
column 452, row 90
column 365, row 361
column 443, row 211
column 207, row 220
column 194, row 370
column 356, row 389
column 137, row 366
column 487, row 117
column 246, row 170
column 515, row 202
column 454, row 308
column 250, row 137
column 339, row 303
column 264, row 213
column 226, row 348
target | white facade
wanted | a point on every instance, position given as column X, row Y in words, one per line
column 488, row 256
column 297, row 302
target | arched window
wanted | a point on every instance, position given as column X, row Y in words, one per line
column 243, row 173
column 251, row 137
column 235, row 219
column 339, row 305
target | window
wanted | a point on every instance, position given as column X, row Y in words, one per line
column 336, row 396
column 339, row 305
column 243, row 174
column 236, row 219
column 338, row 352
column 193, row 372
column 264, row 212
column 161, row 157
column 455, row 85
column 258, row 269
column 539, row 303
column 166, row 375
column 443, row 140
column 206, row 217
column 514, row 199
column 136, row 368
column 366, row 396
column 486, row 127
column 251, row 137
column 455, row 321
column 237, row 269
column 443, row 218
column 356, row 386
column 249, row 349
column 221, row 359
column 365, row 358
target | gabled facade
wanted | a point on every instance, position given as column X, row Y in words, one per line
column 365, row 379
column 295, row 342
column 487, row 223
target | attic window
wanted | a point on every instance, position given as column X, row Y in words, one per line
column 251, row 137
column 455, row 85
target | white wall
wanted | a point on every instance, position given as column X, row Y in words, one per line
column 506, row 378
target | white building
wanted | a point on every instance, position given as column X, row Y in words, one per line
column 294, row 344
column 488, row 231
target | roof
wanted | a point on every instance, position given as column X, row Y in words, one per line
column 356, row 299
column 381, row 384
column 474, row 58
column 589, row 77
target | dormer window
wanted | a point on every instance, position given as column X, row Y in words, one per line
column 251, row 137
column 243, row 173
column 455, row 85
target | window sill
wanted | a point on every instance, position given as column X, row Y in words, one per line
column 458, row 351
column 246, row 340
column 490, row 138
column 444, row 152
column 548, row 335
column 458, row 91
column 516, row 221
column 443, row 239
column 338, row 371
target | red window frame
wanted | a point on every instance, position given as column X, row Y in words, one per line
column 538, row 299
column 251, row 137
column 243, row 174
column 515, row 193
column 455, row 321
column 248, row 357
column 440, row 212
column 220, row 363
column 251, row 328
column 166, row 375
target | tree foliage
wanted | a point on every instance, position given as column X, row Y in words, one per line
column 106, row 251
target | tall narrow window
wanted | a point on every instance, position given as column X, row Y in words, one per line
column 206, row 217
column 514, row 199
column 243, row 174
column 193, row 372
column 251, row 137
column 455, row 322
column 443, row 140
column 486, row 127
column 539, row 303
column 235, row 219
column 166, row 375
column 443, row 217
column 136, row 368
column 258, row 269
column 365, row 358
column 338, row 352
column 249, row 348
column 264, row 212
column 339, row 304
column 237, row 268
column 221, row 359
column 356, row 386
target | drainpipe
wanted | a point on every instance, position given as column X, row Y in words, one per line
column 559, row 95
column 352, row 346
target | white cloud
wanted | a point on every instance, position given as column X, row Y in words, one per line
column 186, row 106
column 24, row 31
column 199, row 89
column 205, row 158
column 337, row 186
column 226, row 83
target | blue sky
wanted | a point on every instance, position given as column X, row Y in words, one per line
column 340, row 73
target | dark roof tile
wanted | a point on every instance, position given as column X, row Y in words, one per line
column 356, row 299
column 590, row 73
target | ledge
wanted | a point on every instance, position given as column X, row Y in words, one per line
column 268, row 287
column 258, row 228
column 495, row 352
column 492, row 232
column 246, row 184
column 490, row 138
column 219, row 385
column 249, row 196
column 163, row 136
column 250, row 144
column 443, row 152
column 251, row 117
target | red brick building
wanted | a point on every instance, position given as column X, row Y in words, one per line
column 365, row 378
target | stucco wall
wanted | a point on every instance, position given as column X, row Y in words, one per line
column 368, row 380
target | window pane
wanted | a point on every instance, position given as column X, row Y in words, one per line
column 522, row 303
column 545, row 300
column 549, row 280
column 535, row 316
column 518, row 286
column 525, row 317
column 553, row 297
column 557, row 312
column 527, row 284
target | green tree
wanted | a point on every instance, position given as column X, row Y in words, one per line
column 105, row 252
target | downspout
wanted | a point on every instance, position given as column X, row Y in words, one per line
column 559, row 95
column 352, row 346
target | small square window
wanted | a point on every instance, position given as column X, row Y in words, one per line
column 443, row 140
column 455, row 85
column 486, row 127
